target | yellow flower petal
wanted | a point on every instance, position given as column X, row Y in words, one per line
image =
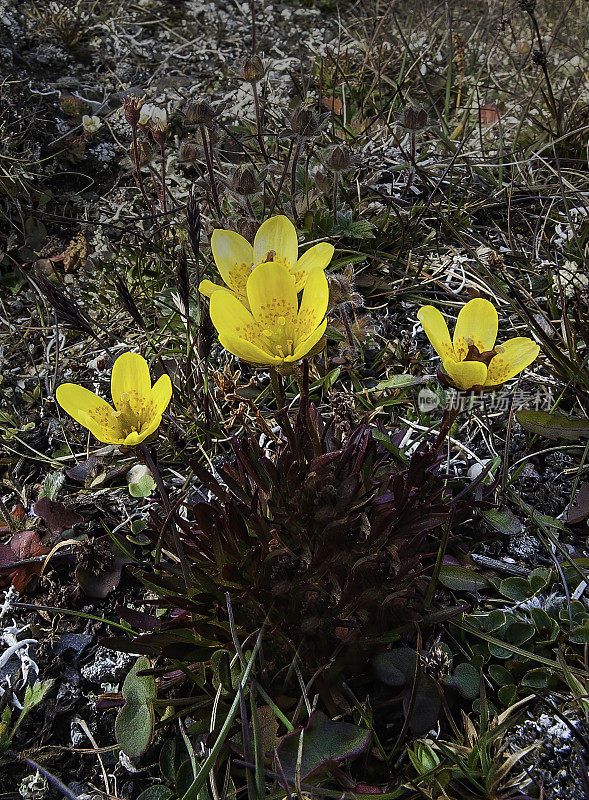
column 234, row 257
column 308, row 344
column 466, row 374
column 316, row 257
column 517, row 354
column 207, row 287
column 161, row 394
column 133, row 439
column 130, row 376
column 247, row 351
column 277, row 235
column 478, row 321
column 90, row 411
column 272, row 296
column 145, row 432
column 313, row 304
column 436, row 331
column 231, row 318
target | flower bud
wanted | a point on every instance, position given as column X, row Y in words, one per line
column 189, row 151
column 200, row 112
column 252, row 69
column 247, row 228
column 339, row 158
column 304, row 121
column 244, row 181
column 413, row 118
column 132, row 108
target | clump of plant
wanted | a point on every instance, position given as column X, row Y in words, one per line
column 326, row 545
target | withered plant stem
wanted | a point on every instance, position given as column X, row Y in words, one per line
column 544, row 68
column 282, row 177
column 211, row 168
column 259, row 123
column 146, row 456
column 293, row 179
column 334, row 197
column 163, row 174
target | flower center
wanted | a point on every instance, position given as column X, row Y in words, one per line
column 474, row 354
column 129, row 421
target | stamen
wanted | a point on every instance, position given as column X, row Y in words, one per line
column 290, row 346
column 280, row 351
column 281, row 320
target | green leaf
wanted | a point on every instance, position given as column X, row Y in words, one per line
column 506, row 694
column 515, row 589
column 580, row 634
column 326, row 744
column 33, row 696
column 156, row 792
column 503, row 521
column 400, row 382
column 536, row 678
column 395, row 667
column 500, row 675
column 143, row 488
column 461, row 579
column 51, row 485
column 134, row 722
column 553, row 426
column 466, row 679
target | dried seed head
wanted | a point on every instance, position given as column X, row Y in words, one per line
column 132, row 108
column 342, row 289
column 436, row 661
column 200, row 112
column 304, row 121
column 67, row 310
column 245, row 181
column 339, row 158
column 539, row 58
column 413, row 118
column 128, row 302
column 189, row 151
column 252, row 69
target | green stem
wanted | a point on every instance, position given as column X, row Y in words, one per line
column 151, row 464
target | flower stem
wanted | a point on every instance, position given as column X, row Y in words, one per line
column 282, row 414
column 453, row 408
column 259, row 121
column 147, row 457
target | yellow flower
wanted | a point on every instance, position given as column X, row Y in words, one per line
column 276, row 331
column 472, row 359
column 139, row 405
column 276, row 240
